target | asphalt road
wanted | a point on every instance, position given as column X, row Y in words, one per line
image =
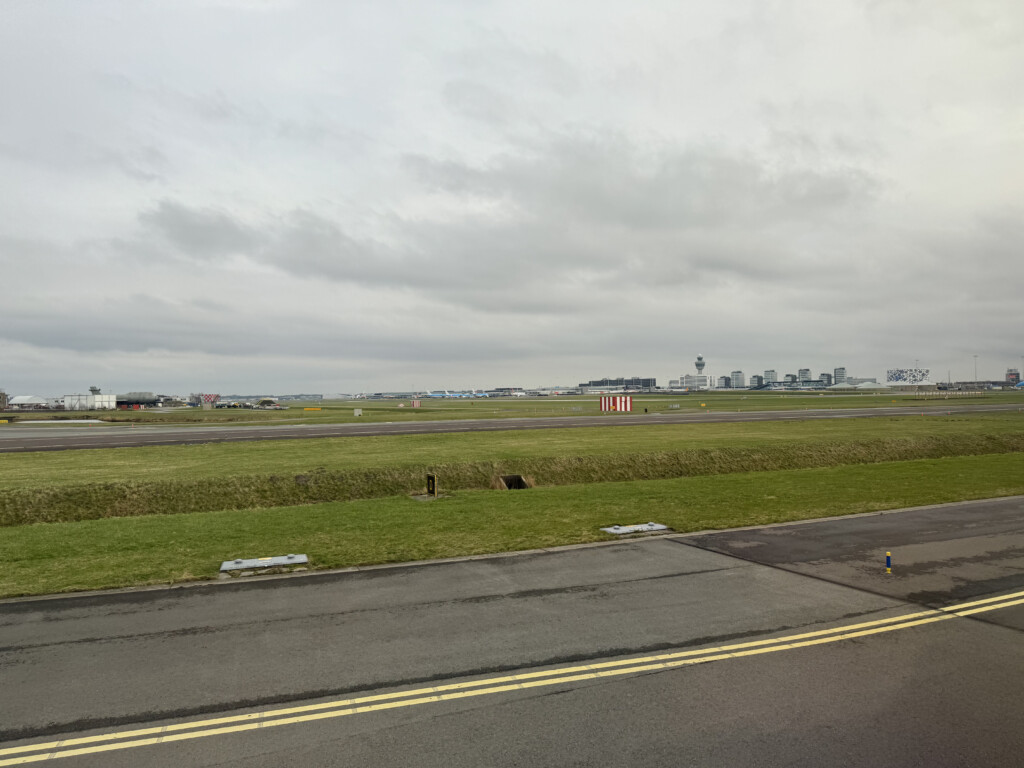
column 786, row 645
column 15, row 438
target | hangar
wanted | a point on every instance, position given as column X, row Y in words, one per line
column 27, row 403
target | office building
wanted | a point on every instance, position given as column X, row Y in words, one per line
column 737, row 379
column 724, row 382
column 756, row 381
column 826, row 379
column 907, row 375
column 770, row 377
column 839, row 375
column 634, row 382
column 804, row 375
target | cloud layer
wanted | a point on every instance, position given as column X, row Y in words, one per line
column 301, row 196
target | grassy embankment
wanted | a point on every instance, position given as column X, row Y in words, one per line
column 174, row 548
column 79, row 485
column 689, row 477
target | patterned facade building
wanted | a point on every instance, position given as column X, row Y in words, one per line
column 907, row 375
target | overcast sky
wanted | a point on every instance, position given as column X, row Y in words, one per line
column 351, row 196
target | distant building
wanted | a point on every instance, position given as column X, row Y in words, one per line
column 826, row 379
column 907, row 375
column 635, row 382
column 724, row 382
column 27, row 403
column 555, row 390
column 756, row 381
column 3, row 399
column 770, row 377
column 1012, row 378
column 673, row 384
column 695, row 382
column 856, row 381
column 738, row 381
column 839, row 375
column 699, row 381
column 804, row 375
column 789, row 378
column 91, row 402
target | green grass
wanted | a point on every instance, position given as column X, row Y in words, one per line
column 60, row 557
column 341, row 411
column 184, row 495
column 290, row 457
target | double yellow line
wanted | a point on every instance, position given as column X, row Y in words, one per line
column 197, row 729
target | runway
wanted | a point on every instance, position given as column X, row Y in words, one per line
column 25, row 437
column 780, row 645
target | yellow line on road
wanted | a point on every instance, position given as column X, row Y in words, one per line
column 344, row 707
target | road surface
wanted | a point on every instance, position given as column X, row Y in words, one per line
column 50, row 436
column 785, row 645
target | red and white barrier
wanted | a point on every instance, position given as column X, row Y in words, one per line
column 621, row 403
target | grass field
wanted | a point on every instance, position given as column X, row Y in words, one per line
column 97, row 554
column 289, row 457
column 375, row 467
column 341, row 411
column 231, row 500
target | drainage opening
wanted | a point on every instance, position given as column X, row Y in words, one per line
column 514, row 482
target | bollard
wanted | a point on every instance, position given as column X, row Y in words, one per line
column 888, row 562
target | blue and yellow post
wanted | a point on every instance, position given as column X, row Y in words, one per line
column 888, row 562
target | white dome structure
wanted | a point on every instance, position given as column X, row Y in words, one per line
column 23, row 400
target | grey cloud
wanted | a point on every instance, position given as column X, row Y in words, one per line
column 965, row 260
column 800, row 148
column 209, row 305
column 33, row 252
column 74, row 151
column 514, row 65
column 214, row 106
column 993, row 21
column 144, row 163
column 486, row 269
column 308, row 244
column 199, row 232
column 477, row 101
column 603, row 209
column 299, row 242
column 208, row 105
column 609, row 180
column 447, row 175
column 318, row 132
column 148, row 322
column 665, row 218
column 498, row 188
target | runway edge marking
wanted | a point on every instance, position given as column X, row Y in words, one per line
column 523, row 681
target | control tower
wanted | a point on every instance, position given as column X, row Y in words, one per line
column 700, row 365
